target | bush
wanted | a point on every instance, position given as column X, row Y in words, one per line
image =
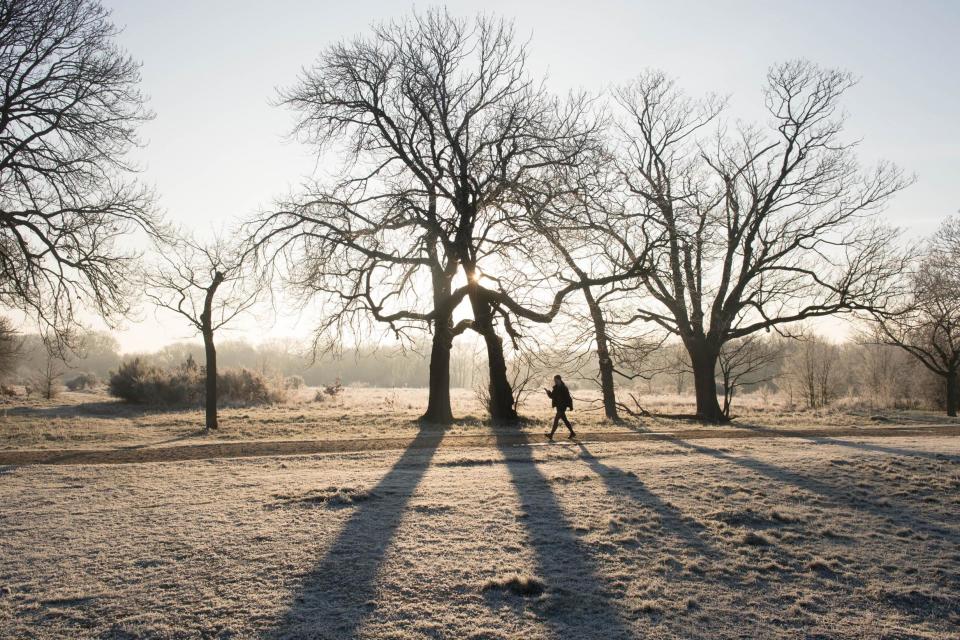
column 83, row 382
column 333, row 390
column 244, row 386
column 293, row 383
column 144, row 383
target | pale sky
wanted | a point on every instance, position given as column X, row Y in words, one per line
column 216, row 150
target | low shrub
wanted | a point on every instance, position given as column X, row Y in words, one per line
column 243, row 386
column 83, row 382
column 293, row 383
column 140, row 382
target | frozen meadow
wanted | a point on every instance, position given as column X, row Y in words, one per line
column 783, row 537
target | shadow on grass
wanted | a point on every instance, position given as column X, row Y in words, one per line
column 337, row 595
column 835, row 493
column 106, row 409
column 672, row 520
column 863, row 446
column 577, row 603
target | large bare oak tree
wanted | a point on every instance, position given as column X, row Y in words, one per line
column 764, row 226
column 442, row 126
column 69, row 110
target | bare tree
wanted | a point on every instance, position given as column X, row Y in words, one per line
column 443, row 129
column 11, row 347
column 46, row 380
column 589, row 237
column 927, row 323
column 69, row 111
column 204, row 284
column 763, row 227
column 810, row 369
column 745, row 361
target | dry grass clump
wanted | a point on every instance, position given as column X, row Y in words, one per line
column 521, row 585
column 755, row 539
column 329, row 496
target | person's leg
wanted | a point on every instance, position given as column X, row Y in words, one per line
column 563, row 415
column 556, row 423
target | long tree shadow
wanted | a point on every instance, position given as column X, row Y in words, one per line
column 863, row 446
column 672, row 520
column 336, row 596
column 831, row 492
column 579, row 605
column 103, row 409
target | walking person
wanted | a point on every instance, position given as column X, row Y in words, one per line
column 562, row 400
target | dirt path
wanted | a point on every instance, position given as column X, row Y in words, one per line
column 149, row 453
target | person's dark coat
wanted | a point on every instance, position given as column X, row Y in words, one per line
column 561, row 397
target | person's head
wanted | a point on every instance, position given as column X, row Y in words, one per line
column 557, row 379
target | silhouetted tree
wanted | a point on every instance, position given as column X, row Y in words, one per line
column 927, row 323
column 763, row 228
column 811, row 369
column 442, row 126
column 11, row 347
column 69, row 110
column 745, row 361
column 205, row 284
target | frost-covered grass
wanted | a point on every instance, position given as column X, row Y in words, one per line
column 90, row 421
column 708, row 538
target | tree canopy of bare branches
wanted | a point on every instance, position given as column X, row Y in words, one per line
column 446, row 137
column 763, row 226
column 926, row 323
column 205, row 285
column 69, row 111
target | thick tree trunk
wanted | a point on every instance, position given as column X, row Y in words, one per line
column 603, row 356
column 501, row 404
column 211, row 382
column 438, row 404
column 953, row 393
column 704, row 361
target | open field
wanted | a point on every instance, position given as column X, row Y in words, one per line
column 711, row 538
column 406, row 530
column 91, row 421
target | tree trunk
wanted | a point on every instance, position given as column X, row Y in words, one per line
column 206, row 329
column 727, row 395
column 603, row 357
column 438, row 403
column 704, row 361
column 501, row 404
column 953, row 393
column 211, row 383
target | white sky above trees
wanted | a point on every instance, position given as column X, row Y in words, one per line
column 216, row 151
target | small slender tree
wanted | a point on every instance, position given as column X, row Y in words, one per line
column 11, row 347
column 745, row 361
column 204, row 284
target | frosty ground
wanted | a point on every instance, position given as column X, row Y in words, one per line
column 783, row 537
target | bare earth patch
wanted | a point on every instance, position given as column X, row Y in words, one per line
column 847, row 538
